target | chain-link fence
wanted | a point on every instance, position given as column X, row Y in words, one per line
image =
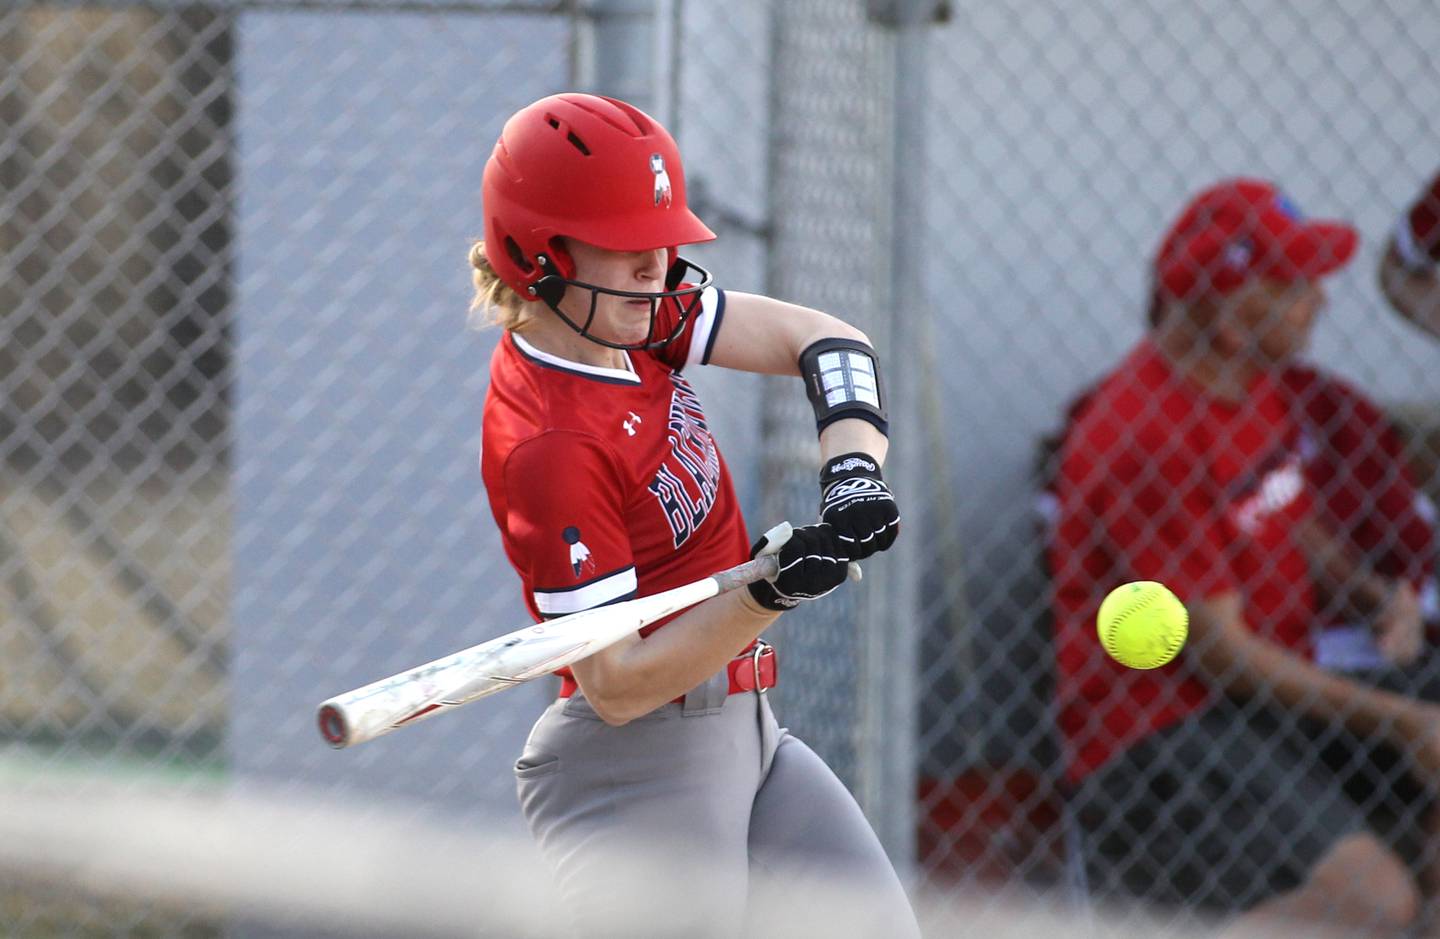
column 239, row 413
column 1062, row 142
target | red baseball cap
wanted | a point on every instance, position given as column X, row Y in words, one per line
column 1243, row 228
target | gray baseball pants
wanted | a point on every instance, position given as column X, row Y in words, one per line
column 702, row 819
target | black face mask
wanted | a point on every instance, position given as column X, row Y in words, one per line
column 551, row 287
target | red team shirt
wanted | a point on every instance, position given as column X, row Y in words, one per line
column 1160, row 481
column 606, row 484
column 1359, row 470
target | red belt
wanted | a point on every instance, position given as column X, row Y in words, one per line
column 756, row 667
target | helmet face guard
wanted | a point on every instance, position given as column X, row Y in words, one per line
column 599, row 171
column 551, row 287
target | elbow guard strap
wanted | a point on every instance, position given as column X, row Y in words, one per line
column 842, row 379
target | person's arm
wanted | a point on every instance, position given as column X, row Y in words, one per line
column 638, row 674
column 1245, row 664
column 565, row 515
column 1390, row 605
column 1341, row 579
column 1368, row 540
column 765, row 335
column 761, row 334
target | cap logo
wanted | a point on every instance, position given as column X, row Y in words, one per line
column 1287, row 208
column 662, row 180
column 1239, row 253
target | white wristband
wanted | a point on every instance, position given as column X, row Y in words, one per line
column 1410, row 254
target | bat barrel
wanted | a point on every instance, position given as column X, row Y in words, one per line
column 421, row 693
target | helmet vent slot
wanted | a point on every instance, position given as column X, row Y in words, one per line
column 517, row 256
column 577, row 143
column 570, row 135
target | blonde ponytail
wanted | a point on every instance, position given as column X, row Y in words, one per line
column 494, row 303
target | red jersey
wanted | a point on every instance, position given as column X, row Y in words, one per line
column 1356, row 463
column 1161, row 481
column 606, row 483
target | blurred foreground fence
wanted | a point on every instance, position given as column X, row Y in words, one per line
column 239, row 413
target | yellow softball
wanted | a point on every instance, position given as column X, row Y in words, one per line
column 1142, row 624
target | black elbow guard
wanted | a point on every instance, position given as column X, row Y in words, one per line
column 842, row 379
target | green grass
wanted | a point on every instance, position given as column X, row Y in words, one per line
column 41, row 910
column 27, row 763
column 45, row 912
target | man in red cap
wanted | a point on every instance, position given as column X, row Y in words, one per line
column 1410, row 267
column 1187, row 466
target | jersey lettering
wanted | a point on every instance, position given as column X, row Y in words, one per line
column 687, row 483
column 1270, row 495
column 680, row 510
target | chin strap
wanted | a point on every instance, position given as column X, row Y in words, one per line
column 551, row 288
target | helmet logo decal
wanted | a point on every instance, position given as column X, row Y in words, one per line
column 662, row 180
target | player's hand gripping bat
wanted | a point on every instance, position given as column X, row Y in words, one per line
column 516, row 657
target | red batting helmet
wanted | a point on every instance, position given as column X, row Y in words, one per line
column 591, row 168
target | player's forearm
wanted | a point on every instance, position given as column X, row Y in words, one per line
column 851, row 435
column 1342, row 575
column 1247, row 665
column 635, row 677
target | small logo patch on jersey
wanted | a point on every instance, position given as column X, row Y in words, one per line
column 631, row 423
column 662, row 180
column 580, row 560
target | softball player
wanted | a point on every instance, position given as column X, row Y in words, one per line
column 606, row 484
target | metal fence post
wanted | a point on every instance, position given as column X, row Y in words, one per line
column 888, row 688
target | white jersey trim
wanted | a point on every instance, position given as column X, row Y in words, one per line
column 607, row 589
column 712, row 311
column 626, row 374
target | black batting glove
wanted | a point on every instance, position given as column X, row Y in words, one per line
column 855, row 500
column 812, row 563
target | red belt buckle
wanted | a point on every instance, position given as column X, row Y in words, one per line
column 757, row 671
column 758, row 668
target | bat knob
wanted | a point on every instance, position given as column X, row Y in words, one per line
column 332, row 726
column 853, row 571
